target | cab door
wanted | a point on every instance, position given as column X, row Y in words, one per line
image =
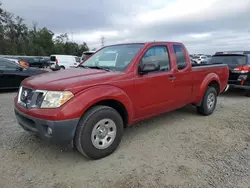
column 154, row 91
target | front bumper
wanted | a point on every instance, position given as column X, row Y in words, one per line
column 62, row 131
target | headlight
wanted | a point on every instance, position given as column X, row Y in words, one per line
column 55, row 99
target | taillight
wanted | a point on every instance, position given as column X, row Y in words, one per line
column 57, row 61
column 242, row 69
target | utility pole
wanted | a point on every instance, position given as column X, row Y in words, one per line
column 72, row 36
column 102, row 41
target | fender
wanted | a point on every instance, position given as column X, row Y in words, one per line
column 207, row 80
column 83, row 100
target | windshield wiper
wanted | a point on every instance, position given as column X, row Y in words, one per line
column 100, row 68
column 83, row 66
column 94, row 67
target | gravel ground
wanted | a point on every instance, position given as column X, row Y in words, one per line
column 178, row 149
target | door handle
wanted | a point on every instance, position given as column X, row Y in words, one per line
column 172, row 78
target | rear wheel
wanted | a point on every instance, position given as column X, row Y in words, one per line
column 99, row 132
column 209, row 102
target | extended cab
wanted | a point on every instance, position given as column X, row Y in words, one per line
column 92, row 104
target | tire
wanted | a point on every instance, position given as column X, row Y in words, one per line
column 62, row 68
column 205, row 108
column 95, row 119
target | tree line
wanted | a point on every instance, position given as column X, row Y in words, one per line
column 16, row 38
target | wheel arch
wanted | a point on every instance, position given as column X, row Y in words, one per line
column 211, row 80
column 106, row 95
column 117, row 105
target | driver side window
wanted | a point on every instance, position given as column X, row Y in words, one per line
column 7, row 65
column 159, row 54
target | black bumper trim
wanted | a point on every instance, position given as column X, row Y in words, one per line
column 239, row 86
column 62, row 131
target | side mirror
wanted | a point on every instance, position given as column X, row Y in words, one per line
column 181, row 66
column 148, row 67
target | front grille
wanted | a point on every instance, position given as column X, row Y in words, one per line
column 29, row 98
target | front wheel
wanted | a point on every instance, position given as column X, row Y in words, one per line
column 99, row 132
column 209, row 102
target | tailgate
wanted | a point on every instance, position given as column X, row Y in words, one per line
column 233, row 61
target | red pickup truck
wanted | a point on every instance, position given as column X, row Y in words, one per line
column 117, row 86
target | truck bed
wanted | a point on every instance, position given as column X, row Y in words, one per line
column 209, row 65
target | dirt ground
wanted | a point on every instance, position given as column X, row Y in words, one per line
column 178, row 149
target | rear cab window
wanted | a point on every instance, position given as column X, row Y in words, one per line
column 180, row 57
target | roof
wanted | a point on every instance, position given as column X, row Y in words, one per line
column 147, row 43
column 233, row 52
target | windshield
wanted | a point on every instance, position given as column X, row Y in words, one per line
column 234, row 60
column 108, row 57
column 116, row 57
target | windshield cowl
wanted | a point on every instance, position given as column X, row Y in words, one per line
column 96, row 67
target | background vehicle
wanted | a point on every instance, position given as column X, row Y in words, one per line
column 202, row 59
column 92, row 105
column 38, row 62
column 20, row 62
column 30, row 61
column 86, row 54
column 12, row 74
column 239, row 68
column 45, row 62
column 58, row 62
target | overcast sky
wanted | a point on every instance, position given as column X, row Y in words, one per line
column 205, row 26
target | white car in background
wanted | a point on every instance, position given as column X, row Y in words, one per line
column 59, row 62
column 202, row 58
column 86, row 54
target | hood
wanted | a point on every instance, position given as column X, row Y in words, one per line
column 73, row 79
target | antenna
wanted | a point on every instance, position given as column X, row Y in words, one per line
column 102, row 40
